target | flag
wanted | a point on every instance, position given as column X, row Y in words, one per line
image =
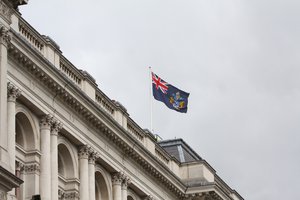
column 171, row 96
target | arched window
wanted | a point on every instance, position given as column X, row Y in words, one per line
column 26, row 154
column 67, row 165
column 101, row 187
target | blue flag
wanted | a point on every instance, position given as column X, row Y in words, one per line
column 171, row 96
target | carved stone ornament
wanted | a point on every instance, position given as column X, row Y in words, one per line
column 46, row 121
column 94, row 155
column 17, row 3
column 117, row 178
column 12, row 92
column 62, row 195
column 199, row 196
column 30, row 168
column 56, row 126
column 19, row 166
column 84, row 152
column 71, row 195
column 4, row 35
column 126, row 182
column 5, row 11
column 149, row 197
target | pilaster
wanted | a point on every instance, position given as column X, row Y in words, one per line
column 4, row 41
column 19, row 167
column 126, row 181
column 12, row 94
column 92, row 158
column 55, row 128
column 84, row 174
column 117, row 179
column 45, row 176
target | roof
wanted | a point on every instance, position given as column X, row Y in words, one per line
column 180, row 150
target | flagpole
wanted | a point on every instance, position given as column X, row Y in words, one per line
column 151, row 104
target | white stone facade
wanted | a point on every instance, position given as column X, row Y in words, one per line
column 66, row 139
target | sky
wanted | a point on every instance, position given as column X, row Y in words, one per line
column 238, row 59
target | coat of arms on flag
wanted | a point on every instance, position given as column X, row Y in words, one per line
column 171, row 96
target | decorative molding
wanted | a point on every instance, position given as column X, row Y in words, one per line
column 8, row 180
column 117, row 178
column 56, row 126
column 19, row 166
column 62, row 195
column 126, row 181
column 12, row 92
column 84, row 152
column 203, row 196
column 5, row 36
column 46, row 121
column 71, row 195
column 30, row 168
column 149, row 197
column 17, row 3
column 93, row 156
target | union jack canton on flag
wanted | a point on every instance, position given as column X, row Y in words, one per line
column 171, row 96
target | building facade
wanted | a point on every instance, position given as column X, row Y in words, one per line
column 65, row 139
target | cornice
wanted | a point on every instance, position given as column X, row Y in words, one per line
column 98, row 118
column 8, row 180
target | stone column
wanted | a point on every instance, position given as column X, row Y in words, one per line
column 45, row 176
column 92, row 158
column 19, row 167
column 125, row 183
column 56, row 126
column 12, row 94
column 117, row 179
column 4, row 41
column 84, row 175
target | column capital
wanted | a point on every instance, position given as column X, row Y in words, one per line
column 84, row 152
column 19, row 166
column 56, row 127
column 12, row 92
column 5, row 35
column 126, row 181
column 93, row 156
column 149, row 197
column 46, row 121
column 117, row 178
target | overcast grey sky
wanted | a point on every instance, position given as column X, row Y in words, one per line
column 239, row 59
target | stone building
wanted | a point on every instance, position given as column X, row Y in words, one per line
column 63, row 138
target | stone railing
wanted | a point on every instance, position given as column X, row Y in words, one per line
column 70, row 71
column 32, row 36
column 135, row 130
column 104, row 102
column 163, row 156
